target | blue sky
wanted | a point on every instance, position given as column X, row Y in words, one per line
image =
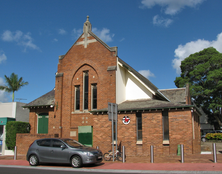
column 153, row 36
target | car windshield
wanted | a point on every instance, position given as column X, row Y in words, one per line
column 73, row 143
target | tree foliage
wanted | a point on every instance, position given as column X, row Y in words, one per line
column 13, row 84
column 203, row 71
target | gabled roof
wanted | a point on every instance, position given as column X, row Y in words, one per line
column 146, row 105
column 149, row 104
column 177, row 95
column 87, row 30
column 45, row 100
column 144, row 80
column 103, row 43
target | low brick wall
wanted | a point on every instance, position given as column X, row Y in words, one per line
column 23, row 141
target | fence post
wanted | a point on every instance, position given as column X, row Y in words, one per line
column 151, row 154
column 123, row 154
column 178, row 149
column 214, row 152
column 182, row 153
column 15, row 153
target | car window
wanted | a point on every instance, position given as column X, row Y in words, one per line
column 45, row 142
column 212, row 132
column 73, row 143
column 56, row 143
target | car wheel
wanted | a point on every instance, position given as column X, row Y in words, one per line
column 33, row 160
column 76, row 161
column 203, row 139
column 106, row 157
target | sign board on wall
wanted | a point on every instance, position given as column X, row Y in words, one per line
column 126, row 120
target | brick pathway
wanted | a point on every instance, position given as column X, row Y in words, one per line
column 197, row 158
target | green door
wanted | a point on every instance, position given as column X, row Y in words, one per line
column 43, row 123
column 85, row 134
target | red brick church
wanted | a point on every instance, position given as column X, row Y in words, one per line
column 89, row 76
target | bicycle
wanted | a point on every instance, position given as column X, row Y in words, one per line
column 108, row 156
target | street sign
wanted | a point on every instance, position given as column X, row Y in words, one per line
column 112, row 111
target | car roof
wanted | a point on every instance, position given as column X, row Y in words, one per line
column 55, row 139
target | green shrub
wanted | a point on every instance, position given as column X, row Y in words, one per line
column 214, row 136
column 12, row 128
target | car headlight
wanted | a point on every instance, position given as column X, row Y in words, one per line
column 88, row 153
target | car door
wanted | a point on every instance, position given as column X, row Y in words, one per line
column 43, row 150
column 57, row 153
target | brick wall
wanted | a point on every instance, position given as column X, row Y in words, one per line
column 180, row 123
column 95, row 59
column 180, row 132
column 197, row 137
column 33, row 118
column 23, row 141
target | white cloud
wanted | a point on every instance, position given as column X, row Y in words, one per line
column 146, row 73
column 24, row 40
column 3, row 97
column 62, row 31
column 184, row 51
column 171, row 7
column 122, row 39
column 2, row 57
column 76, row 33
column 157, row 20
column 9, row 36
column 103, row 34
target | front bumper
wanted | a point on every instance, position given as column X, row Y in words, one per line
column 92, row 159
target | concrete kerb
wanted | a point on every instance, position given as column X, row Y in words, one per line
column 112, row 170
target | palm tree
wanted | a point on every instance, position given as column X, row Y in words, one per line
column 14, row 84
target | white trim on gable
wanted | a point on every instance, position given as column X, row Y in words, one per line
column 142, row 83
column 129, row 86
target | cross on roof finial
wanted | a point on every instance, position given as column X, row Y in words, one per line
column 87, row 17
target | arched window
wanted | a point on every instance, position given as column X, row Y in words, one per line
column 94, row 96
column 85, row 90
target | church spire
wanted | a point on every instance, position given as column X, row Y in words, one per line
column 87, row 26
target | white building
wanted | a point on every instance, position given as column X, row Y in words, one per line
column 12, row 111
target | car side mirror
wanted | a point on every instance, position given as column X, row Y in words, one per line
column 63, row 146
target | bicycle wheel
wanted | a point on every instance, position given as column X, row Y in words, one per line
column 120, row 156
column 107, row 157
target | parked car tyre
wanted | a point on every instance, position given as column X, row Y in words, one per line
column 76, row 161
column 203, row 139
column 33, row 160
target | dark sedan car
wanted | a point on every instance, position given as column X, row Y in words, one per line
column 55, row 150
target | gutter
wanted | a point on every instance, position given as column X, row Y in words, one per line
column 145, row 109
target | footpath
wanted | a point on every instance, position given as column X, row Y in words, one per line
column 197, row 163
column 202, row 163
